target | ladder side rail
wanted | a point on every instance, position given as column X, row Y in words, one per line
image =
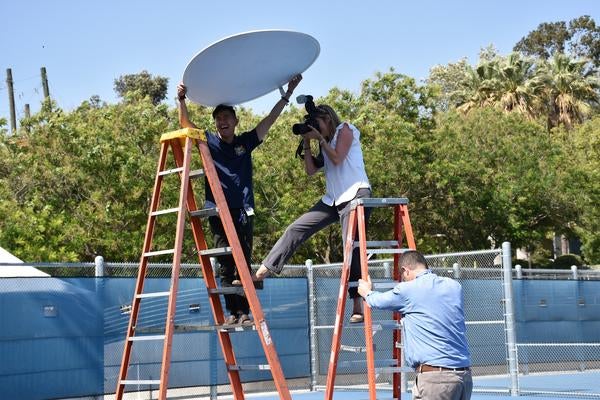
column 339, row 317
column 244, row 273
column 410, row 239
column 211, row 283
column 179, row 234
column 396, row 335
column 368, row 317
column 401, row 220
column 135, row 303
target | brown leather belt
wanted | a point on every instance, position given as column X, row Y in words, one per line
column 431, row 368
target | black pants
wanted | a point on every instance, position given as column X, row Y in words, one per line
column 244, row 226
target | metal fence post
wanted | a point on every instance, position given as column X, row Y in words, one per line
column 519, row 270
column 387, row 270
column 312, row 323
column 509, row 320
column 99, row 266
column 574, row 271
column 456, row 269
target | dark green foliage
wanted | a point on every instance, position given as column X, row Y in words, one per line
column 138, row 86
column 566, row 261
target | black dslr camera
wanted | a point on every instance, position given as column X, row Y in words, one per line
column 310, row 118
column 303, row 128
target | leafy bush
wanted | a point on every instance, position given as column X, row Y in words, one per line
column 566, row 261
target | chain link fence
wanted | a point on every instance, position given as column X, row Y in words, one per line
column 552, row 315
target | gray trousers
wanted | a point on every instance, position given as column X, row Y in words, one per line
column 318, row 217
column 443, row 385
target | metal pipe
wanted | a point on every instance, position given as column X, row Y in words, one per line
column 509, row 318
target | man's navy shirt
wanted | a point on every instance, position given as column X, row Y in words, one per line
column 233, row 162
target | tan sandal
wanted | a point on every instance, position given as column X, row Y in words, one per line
column 356, row 318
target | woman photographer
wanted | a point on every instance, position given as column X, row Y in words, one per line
column 345, row 179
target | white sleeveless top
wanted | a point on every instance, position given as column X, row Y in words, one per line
column 342, row 181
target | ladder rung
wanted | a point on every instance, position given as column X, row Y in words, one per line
column 205, row 212
column 355, row 349
column 235, row 328
column 379, row 243
column 386, row 251
column 257, row 367
column 393, row 370
column 382, row 325
column 378, row 285
column 193, row 174
column 140, row 382
column 155, row 294
column 165, row 211
column 148, row 337
column 385, row 285
column 219, row 251
column 170, row 171
column 227, row 290
column 379, row 202
column 159, row 253
column 196, row 173
column 382, row 363
column 198, row 328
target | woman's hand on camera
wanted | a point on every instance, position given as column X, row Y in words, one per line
column 313, row 134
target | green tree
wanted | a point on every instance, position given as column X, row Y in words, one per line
column 494, row 177
column 142, row 85
column 582, row 183
column 580, row 38
column 78, row 184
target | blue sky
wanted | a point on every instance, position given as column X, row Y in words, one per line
column 85, row 45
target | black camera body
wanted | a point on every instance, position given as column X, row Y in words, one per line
column 310, row 118
column 303, row 128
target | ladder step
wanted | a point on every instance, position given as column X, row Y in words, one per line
column 193, row 174
column 159, row 253
column 149, row 337
column 393, row 370
column 379, row 202
column 196, row 173
column 379, row 243
column 257, row 367
column 170, row 171
column 383, row 363
column 165, row 211
column 219, row 251
column 197, row 328
column 155, row 294
column 205, row 213
column 227, row 290
column 140, row 382
column 378, row 285
column 355, row 349
column 387, row 251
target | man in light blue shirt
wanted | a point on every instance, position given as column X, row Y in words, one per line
column 434, row 328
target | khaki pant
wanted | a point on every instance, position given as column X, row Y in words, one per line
column 443, row 385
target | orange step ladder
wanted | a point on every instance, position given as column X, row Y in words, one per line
column 182, row 143
column 402, row 230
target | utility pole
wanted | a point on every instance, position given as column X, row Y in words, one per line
column 45, row 83
column 27, row 111
column 11, row 100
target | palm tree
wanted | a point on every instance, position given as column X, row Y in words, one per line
column 511, row 84
column 573, row 88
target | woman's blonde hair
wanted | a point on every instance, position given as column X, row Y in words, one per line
column 333, row 117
